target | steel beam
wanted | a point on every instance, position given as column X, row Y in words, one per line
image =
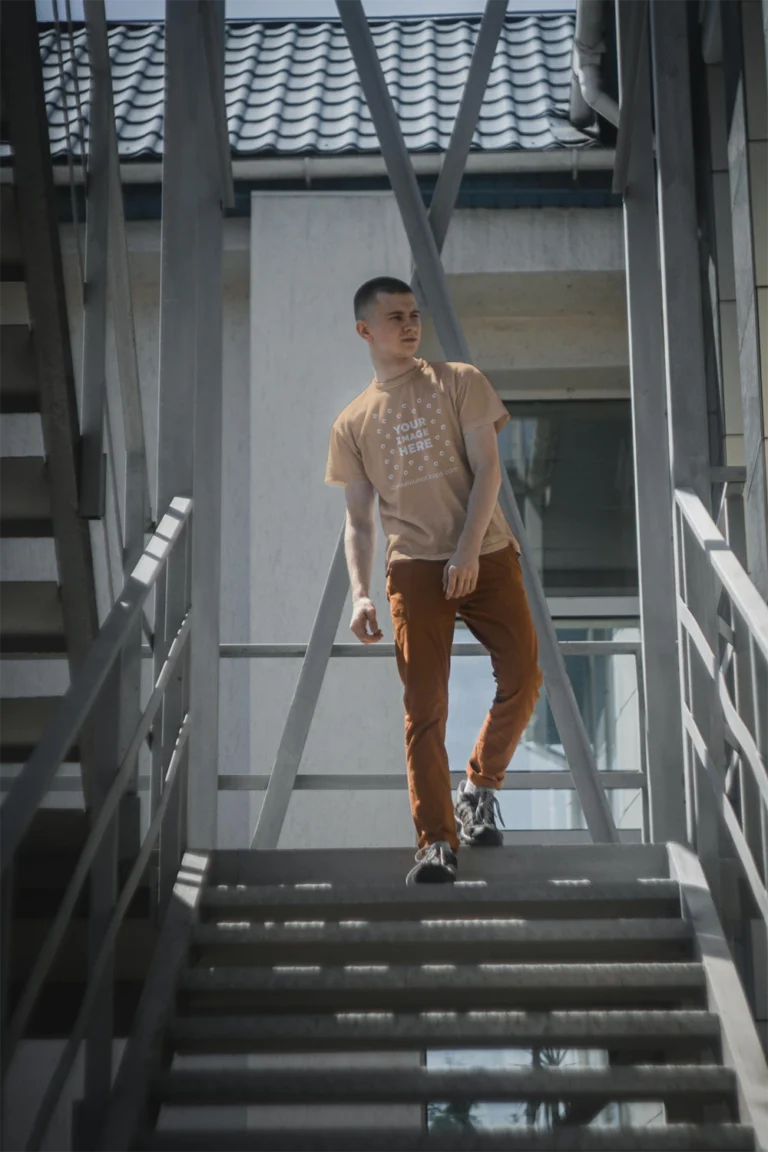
column 178, row 356
column 635, row 51
column 686, row 392
column 678, row 232
column 455, row 159
column 663, row 734
column 202, row 816
column 432, row 277
column 94, row 388
column 214, row 40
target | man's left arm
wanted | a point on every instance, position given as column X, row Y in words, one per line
column 461, row 571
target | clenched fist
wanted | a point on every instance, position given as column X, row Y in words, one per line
column 364, row 623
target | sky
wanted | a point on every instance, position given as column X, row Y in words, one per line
column 124, row 10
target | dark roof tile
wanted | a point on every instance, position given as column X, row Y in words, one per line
column 293, row 87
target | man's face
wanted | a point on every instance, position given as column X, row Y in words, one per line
column 393, row 324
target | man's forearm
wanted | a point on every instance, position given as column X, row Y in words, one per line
column 482, row 501
column 359, row 546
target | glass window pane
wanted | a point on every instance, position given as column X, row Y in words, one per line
column 570, row 464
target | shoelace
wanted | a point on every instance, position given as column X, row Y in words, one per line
column 430, row 851
column 488, row 808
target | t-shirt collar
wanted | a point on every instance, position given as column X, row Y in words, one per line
column 397, row 380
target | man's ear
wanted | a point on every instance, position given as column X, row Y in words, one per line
column 363, row 330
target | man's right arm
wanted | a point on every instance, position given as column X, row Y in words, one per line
column 359, row 546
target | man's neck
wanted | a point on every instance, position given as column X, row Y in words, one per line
column 389, row 367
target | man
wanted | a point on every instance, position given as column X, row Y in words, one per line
column 423, row 436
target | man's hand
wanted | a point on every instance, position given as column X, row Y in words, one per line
column 363, row 619
column 460, row 573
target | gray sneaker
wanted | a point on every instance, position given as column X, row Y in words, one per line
column 476, row 814
column 435, row 864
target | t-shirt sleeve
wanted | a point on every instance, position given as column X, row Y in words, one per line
column 345, row 463
column 477, row 401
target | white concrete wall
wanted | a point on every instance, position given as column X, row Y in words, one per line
column 309, row 255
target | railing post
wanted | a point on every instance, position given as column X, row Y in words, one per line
column 105, row 729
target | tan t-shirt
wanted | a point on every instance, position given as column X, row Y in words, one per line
column 406, row 437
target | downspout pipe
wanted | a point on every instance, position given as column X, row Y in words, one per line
column 588, row 48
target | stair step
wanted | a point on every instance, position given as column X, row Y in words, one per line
column 443, row 942
column 380, row 1031
column 544, row 899
column 649, row 1083
column 25, row 501
column 31, row 618
column 376, row 866
column 668, row 1138
column 18, row 378
column 657, row 1138
column 22, row 723
column 453, row 987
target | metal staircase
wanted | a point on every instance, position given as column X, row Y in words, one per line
column 47, row 601
column 307, row 962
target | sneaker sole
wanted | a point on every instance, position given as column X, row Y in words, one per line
column 430, row 874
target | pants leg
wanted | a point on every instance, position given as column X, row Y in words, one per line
column 424, row 624
column 497, row 614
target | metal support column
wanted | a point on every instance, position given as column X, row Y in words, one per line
column 92, row 457
column 685, row 376
column 213, row 188
column 448, row 328
column 660, row 671
column 178, row 333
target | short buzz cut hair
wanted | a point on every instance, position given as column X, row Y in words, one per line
column 367, row 293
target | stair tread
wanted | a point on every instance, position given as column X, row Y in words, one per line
column 31, row 617
column 415, row 1085
column 25, row 503
column 19, row 390
column 380, row 1031
column 442, row 941
column 395, row 901
column 667, row 1138
column 22, row 723
column 519, row 863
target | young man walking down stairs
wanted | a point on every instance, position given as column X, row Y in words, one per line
column 423, row 435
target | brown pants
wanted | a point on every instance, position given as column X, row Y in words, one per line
column 497, row 615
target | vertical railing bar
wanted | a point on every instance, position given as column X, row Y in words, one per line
column 570, row 725
column 643, row 718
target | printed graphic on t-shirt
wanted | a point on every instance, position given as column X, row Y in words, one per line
column 415, row 441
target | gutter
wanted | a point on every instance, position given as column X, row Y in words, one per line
column 587, row 93
column 351, row 165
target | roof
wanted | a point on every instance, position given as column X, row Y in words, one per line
column 292, row 87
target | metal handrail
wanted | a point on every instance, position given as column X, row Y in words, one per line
column 747, row 829
column 31, row 784
column 28, row 789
